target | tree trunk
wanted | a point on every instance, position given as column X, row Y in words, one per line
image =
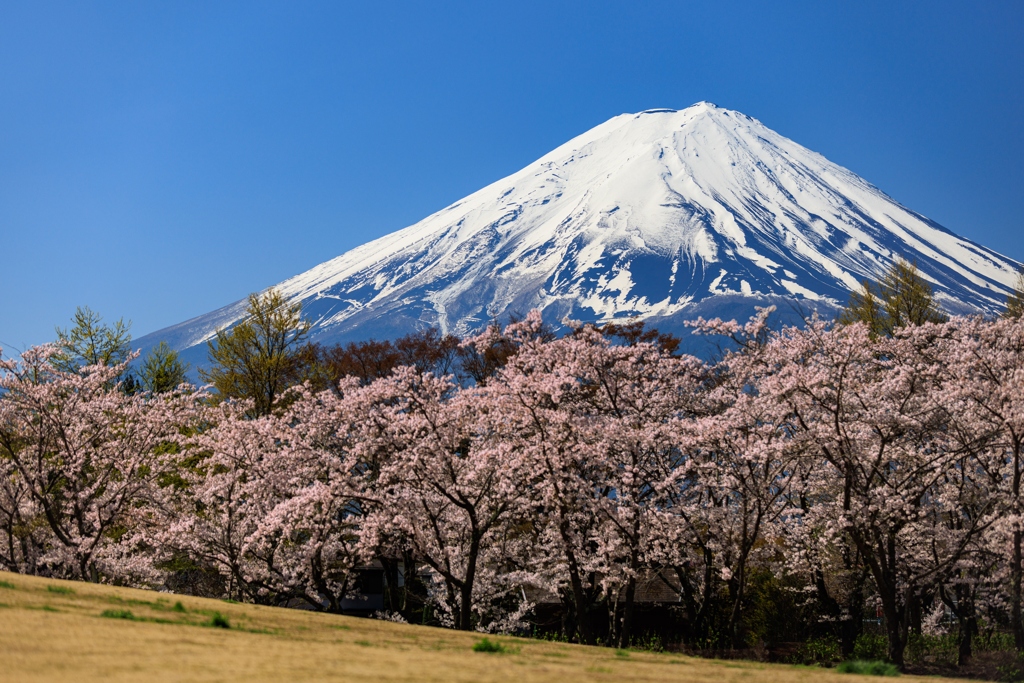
column 1015, row 566
column 626, row 631
column 568, row 623
column 392, row 590
column 412, row 586
column 895, row 632
column 853, row 626
column 466, row 607
column 737, row 589
column 736, row 586
column 967, row 621
column 579, row 598
column 466, row 589
column 1015, row 593
column 882, row 566
column 698, row 607
column 914, row 616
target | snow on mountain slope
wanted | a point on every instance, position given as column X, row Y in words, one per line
column 654, row 216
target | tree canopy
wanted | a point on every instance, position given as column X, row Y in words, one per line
column 902, row 297
column 90, row 342
column 1015, row 301
column 162, row 371
column 261, row 356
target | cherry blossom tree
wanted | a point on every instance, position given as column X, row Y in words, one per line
column 869, row 412
column 451, row 493
column 594, row 423
column 270, row 502
column 728, row 486
column 22, row 522
column 984, row 366
column 634, row 398
column 308, row 544
column 539, row 386
column 80, row 456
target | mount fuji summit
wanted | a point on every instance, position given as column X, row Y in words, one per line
column 659, row 216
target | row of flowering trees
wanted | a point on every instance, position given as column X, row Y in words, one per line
column 859, row 471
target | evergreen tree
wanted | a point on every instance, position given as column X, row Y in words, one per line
column 900, row 299
column 89, row 342
column 864, row 307
column 162, row 370
column 1015, row 301
column 260, row 357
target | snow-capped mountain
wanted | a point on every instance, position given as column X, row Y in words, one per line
column 661, row 216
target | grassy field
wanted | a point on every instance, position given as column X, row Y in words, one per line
column 65, row 631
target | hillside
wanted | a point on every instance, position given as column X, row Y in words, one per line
column 66, row 631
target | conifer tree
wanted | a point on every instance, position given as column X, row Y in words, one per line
column 90, row 342
column 162, row 370
column 900, row 299
column 1015, row 301
column 260, row 357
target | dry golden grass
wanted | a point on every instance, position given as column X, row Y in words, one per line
column 55, row 631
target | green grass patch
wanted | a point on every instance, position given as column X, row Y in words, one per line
column 648, row 643
column 622, row 653
column 160, row 605
column 116, row 599
column 870, row 646
column 6, row 584
column 118, row 614
column 488, row 645
column 364, row 643
column 822, row 651
column 61, row 590
column 219, row 621
column 871, row 667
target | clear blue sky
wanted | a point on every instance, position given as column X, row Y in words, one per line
column 159, row 160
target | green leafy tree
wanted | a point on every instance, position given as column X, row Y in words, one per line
column 901, row 298
column 1015, row 301
column 162, row 371
column 260, row 357
column 90, row 342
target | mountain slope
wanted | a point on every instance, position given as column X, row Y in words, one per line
column 658, row 216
